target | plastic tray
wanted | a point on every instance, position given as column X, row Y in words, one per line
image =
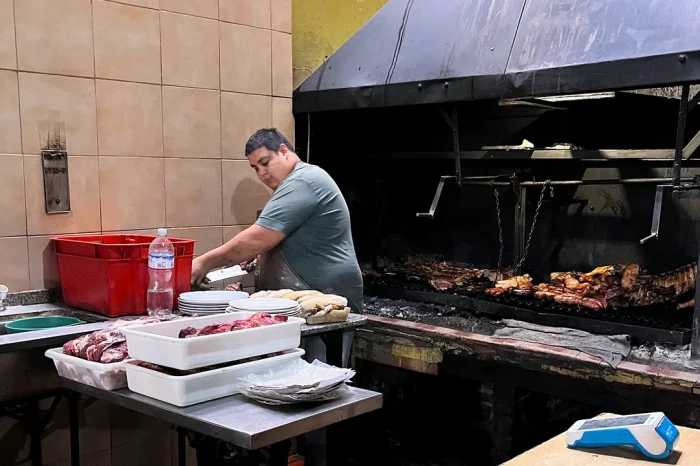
column 159, row 343
column 109, row 273
column 187, row 390
column 104, row 376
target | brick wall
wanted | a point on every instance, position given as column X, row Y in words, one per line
column 157, row 98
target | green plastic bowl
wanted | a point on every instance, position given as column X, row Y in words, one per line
column 40, row 323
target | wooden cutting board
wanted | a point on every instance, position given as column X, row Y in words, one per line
column 555, row 453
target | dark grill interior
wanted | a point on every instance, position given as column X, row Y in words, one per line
column 388, row 161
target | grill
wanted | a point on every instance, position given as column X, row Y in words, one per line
column 451, row 104
column 662, row 324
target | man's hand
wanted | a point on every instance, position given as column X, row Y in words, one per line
column 199, row 271
column 249, row 266
column 249, row 243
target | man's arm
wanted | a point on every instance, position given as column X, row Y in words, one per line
column 245, row 246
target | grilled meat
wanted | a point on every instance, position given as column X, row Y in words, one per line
column 667, row 287
column 622, row 285
column 614, row 286
column 609, row 276
column 520, row 285
column 686, row 305
column 440, row 275
column 578, row 296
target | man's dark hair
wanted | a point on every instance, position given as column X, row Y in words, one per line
column 269, row 138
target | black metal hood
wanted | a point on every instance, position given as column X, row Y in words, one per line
column 432, row 51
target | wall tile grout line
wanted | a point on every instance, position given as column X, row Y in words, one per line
column 162, row 121
column 218, row 18
column 19, row 117
column 149, row 83
column 272, row 58
column 97, row 128
column 221, row 121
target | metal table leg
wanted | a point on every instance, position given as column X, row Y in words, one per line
column 74, row 426
column 503, row 405
column 338, row 347
column 338, row 350
column 279, row 453
column 181, row 447
column 36, row 430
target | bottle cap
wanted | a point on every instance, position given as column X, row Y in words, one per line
column 162, row 232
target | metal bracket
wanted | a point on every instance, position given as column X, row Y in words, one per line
column 436, row 199
column 56, row 185
column 520, row 218
column 686, row 191
column 656, row 216
column 694, row 143
column 680, row 134
column 453, row 123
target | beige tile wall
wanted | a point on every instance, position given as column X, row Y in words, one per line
column 157, row 98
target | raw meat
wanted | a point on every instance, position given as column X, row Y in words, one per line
column 260, row 319
column 105, row 346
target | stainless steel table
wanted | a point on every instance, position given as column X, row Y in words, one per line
column 240, row 421
column 236, row 419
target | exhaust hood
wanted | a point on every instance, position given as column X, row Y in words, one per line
column 436, row 51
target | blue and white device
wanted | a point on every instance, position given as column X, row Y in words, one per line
column 652, row 434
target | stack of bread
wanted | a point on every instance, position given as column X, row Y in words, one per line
column 317, row 307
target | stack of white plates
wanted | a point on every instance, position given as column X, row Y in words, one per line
column 207, row 302
column 274, row 306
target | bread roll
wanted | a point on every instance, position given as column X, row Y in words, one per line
column 324, row 300
column 329, row 318
column 278, row 293
column 307, row 297
column 259, row 294
column 300, row 294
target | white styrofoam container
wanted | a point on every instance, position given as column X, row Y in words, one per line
column 158, row 343
column 186, row 390
column 104, row 376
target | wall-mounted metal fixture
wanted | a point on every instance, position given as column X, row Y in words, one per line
column 56, row 186
column 656, row 216
column 436, row 198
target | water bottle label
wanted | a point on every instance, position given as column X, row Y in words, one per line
column 161, row 261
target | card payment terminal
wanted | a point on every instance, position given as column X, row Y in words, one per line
column 652, row 434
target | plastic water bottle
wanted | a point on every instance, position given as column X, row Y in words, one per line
column 161, row 263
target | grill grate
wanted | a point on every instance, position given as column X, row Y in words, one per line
column 663, row 324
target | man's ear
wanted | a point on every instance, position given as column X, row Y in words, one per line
column 284, row 150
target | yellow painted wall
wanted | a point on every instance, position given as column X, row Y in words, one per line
column 320, row 27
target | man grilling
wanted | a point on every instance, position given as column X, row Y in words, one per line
column 302, row 237
column 303, row 241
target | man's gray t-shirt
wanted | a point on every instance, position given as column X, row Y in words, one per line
column 310, row 210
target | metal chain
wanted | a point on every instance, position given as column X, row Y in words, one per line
column 534, row 222
column 500, row 228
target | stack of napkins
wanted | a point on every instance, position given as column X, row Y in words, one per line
column 296, row 381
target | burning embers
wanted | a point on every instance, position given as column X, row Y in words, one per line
column 616, row 286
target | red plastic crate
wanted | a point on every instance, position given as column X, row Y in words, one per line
column 109, row 273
